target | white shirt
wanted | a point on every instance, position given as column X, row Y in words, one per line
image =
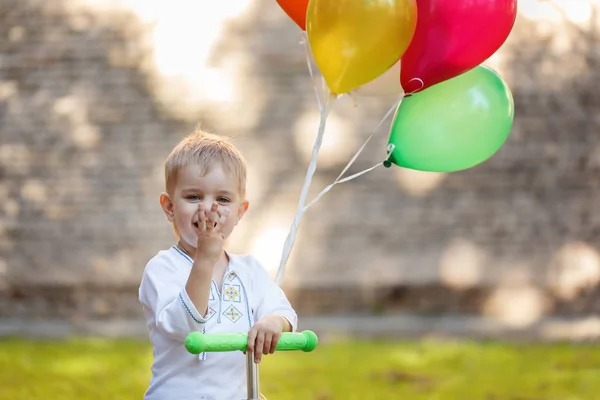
column 247, row 295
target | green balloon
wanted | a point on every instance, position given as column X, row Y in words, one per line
column 453, row 125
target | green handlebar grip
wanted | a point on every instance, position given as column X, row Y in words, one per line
column 197, row 342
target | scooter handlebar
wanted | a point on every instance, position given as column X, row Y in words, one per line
column 197, row 342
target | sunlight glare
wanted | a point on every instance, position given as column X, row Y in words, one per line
column 339, row 139
column 268, row 246
column 183, row 36
column 461, row 266
column 553, row 10
column 517, row 306
column 575, row 267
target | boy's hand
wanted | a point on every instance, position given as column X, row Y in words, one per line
column 264, row 335
column 210, row 239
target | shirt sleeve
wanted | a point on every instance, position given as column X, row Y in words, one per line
column 271, row 298
column 162, row 292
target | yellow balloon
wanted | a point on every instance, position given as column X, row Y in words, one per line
column 355, row 41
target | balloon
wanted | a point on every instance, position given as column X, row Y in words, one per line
column 355, row 41
column 296, row 10
column 387, row 84
column 454, row 36
column 454, row 125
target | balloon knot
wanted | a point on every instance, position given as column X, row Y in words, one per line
column 387, row 163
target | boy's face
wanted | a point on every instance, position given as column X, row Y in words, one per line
column 216, row 185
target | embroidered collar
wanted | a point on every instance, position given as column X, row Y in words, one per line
column 231, row 267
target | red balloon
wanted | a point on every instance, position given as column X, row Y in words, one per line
column 296, row 10
column 452, row 37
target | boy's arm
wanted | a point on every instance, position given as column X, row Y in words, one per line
column 286, row 326
column 208, row 250
column 198, row 284
column 163, row 293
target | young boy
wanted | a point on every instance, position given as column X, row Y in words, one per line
column 197, row 285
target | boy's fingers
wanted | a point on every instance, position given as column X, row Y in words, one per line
column 266, row 349
column 213, row 216
column 274, row 342
column 220, row 222
column 258, row 348
column 199, row 211
column 222, row 218
column 201, row 218
column 223, row 214
column 251, row 340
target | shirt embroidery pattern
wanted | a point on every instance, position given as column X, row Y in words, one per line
column 210, row 313
column 232, row 313
column 232, row 293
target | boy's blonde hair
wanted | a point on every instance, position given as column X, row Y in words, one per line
column 205, row 150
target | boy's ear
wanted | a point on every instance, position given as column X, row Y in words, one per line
column 242, row 210
column 167, row 206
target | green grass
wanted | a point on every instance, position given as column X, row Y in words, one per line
column 86, row 369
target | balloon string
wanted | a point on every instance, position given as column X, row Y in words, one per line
column 304, row 41
column 346, row 179
column 289, row 241
column 360, row 150
column 324, row 111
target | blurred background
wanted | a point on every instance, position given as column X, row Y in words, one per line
column 95, row 93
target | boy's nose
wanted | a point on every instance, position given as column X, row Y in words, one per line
column 207, row 203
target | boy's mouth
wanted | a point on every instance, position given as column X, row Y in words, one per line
column 196, row 224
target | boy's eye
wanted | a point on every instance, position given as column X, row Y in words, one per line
column 223, row 200
column 192, row 197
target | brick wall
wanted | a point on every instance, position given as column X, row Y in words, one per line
column 88, row 114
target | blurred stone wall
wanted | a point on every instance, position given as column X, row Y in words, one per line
column 93, row 95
